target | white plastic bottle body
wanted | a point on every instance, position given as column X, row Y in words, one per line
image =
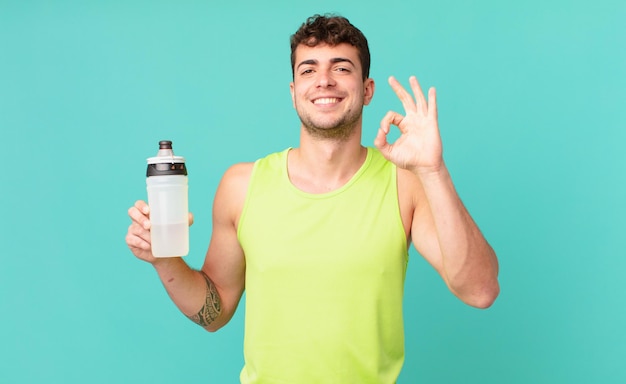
column 169, row 215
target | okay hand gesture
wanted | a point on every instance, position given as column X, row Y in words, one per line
column 418, row 148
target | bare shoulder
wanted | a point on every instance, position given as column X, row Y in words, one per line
column 232, row 190
column 238, row 174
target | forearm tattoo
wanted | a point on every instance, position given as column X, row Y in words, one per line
column 212, row 307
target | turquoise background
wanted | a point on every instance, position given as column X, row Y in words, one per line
column 531, row 104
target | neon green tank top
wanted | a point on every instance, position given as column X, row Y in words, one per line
column 324, row 277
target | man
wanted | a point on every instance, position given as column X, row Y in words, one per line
column 318, row 235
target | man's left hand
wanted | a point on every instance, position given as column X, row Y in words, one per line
column 418, row 148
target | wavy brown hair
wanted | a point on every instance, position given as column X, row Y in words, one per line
column 332, row 30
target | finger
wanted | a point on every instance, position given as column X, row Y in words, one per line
column 390, row 118
column 419, row 95
column 139, row 217
column 190, row 219
column 432, row 103
column 405, row 97
column 137, row 242
column 142, row 206
column 393, row 118
column 137, row 229
column 138, row 237
column 380, row 141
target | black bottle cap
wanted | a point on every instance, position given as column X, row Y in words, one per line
column 165, row 169
column 165, row 163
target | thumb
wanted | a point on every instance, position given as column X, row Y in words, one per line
column 382, row 144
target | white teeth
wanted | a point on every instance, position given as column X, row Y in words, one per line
column 326, row 100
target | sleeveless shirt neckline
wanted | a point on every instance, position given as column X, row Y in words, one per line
column 353, row 179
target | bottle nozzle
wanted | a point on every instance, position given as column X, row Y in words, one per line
column 165, row 163
column 165, row 149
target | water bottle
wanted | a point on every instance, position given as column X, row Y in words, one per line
column 167, row 197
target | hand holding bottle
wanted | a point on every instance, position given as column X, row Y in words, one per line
column 161, row 227
column 138, row 237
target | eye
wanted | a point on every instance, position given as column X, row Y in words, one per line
column 342, row 69
column 307, row 71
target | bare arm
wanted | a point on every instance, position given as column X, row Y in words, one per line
column 445, row 234
column 225, row 263
column 441, row 228
column 210, row 296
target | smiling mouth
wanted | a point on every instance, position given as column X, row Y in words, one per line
column 326, row 100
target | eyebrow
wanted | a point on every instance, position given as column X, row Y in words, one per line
column 334, row 60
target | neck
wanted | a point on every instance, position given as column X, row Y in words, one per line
column 320, row 165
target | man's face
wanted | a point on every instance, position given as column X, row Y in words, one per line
column 328, row 90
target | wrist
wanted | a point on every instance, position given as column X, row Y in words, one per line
column 165, row 263
column 432, row 174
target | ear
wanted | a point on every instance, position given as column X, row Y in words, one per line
column 368, row 93
column 293, row 98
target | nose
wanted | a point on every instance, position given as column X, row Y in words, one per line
column 325, row 79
